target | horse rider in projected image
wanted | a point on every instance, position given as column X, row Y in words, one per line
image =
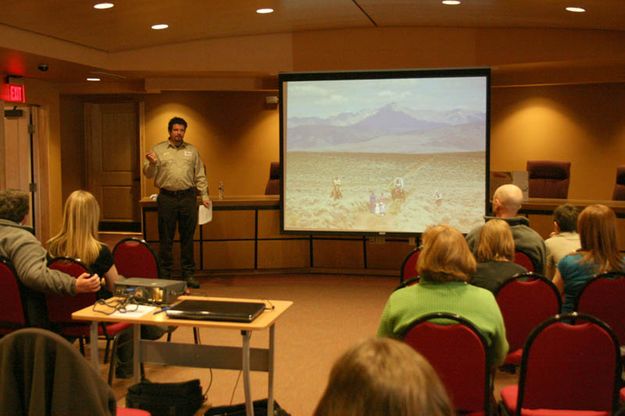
column 336, row 192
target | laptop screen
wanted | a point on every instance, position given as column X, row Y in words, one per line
column 214, row 310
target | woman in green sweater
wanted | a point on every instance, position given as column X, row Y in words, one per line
column 444, row 265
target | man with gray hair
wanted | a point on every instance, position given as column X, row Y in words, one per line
column 25, row 252
column 507, row 201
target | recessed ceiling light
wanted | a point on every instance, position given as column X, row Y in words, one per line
column 102, row 6
column 264, row 10
column 160, row 26
column 93, row 79
column 451, row 2
column 576, row 9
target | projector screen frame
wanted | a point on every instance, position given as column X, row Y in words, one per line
column 373, row 75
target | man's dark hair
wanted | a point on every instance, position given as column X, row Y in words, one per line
column 13, row 205
column 566, row 217
column 176, row 120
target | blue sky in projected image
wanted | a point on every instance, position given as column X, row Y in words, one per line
column 329, row 98
column 397, row 115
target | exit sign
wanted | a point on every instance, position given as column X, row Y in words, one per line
column 14, row 93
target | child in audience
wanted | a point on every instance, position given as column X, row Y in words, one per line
column 381, row 377
column 445, row 264
column 495, row 256
column 564, row 238
column 599, row 253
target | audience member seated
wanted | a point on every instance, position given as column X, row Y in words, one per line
column 507, row 201
column 599, row 253
column 548, row 178
column 273, row 185
column 78, row 239
column 19, row 245
column 495, row 256
column 380, row 377
column 564, row 238
column 445, row 264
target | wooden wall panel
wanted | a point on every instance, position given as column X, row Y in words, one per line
column 346, row 254
column 269, row 225
column 388, row 255
column 281, row 254
column 230, row 225
column 228, row 255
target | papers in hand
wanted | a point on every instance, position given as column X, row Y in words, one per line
column 204, row 214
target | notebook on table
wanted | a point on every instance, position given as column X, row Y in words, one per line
column 215, row 310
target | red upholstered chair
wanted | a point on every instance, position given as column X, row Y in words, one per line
column 524, row 260
column 525, row 301
column 570, row 366
column 135, row 258
column 409, row 266
column 548, row 178
column 619, row 185
column 604, row 298
column 60, row 310
column 12, row 314
column 459, row 354
column 275, row 174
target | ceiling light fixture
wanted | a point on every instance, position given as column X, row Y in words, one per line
column 451, row 2
column 576, row 9
column 93, row 79
column 103, row 6
column 160, row 26
column 264, row 10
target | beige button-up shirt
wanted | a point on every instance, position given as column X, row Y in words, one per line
column 177, row 168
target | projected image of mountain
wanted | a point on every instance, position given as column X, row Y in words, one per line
column 389, row 129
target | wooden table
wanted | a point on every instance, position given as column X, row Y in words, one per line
column 194, row 355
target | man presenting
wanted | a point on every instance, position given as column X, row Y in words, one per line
column 507, row 201
column 178, row 172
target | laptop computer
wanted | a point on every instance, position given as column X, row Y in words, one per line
column 214, row 310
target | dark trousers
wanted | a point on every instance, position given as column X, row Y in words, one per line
column 180, row 208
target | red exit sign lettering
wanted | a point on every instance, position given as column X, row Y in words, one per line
column 15, row 93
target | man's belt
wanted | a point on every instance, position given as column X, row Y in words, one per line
column 178, row 194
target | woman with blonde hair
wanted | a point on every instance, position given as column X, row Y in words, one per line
column 78, row 238
column 599, row 253
column 495, row 256
column 380, row 377
column 445, row 264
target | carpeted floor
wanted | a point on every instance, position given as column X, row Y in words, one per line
column 330, row 313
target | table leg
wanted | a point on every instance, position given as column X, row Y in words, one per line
column 270, row 369
column 249, row 405
column 93, row 340
column 136, row 352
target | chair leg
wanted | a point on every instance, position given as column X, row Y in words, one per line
column 107, row 350
column 81, row 344
column 196, row 335
column 168, row 336
column 112, row 360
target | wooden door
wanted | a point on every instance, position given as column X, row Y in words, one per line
column 111, row 153
column 18, row 154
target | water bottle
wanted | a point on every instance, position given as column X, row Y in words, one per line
column 221, row 190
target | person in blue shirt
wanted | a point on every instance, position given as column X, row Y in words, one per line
column 599, row 253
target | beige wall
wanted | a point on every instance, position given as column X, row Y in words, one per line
column 235, row 132
column 583, row 124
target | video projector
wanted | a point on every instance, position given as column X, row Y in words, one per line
column 151, row 291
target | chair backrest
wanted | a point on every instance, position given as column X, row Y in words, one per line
column 459, row 354
column 525, row 301
column 43, row 374
column 409, row 266
column 548, row 178
column 524, row 260
column 570, row 362
column 273, row 184
column 619, row 184
column 60, row 307
column 604, row 298
column 135, row 258
column 12, row 314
